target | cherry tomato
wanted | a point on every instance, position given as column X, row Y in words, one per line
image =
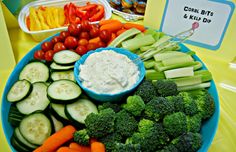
column 74, row 29
column 84, row 35
column 101, row 44
column 81, row 50
column 105, row 35
column 85, row 26
column 47, row 46
column 56, row 39
column 94, row 26
column 64, row 34
column 92, row 46
column 39, row 55
column 70, row 42
column 83, row 42
column 58, row 47
column 49, row 55
column 94, row 32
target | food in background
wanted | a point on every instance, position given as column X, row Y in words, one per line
column 129, row 6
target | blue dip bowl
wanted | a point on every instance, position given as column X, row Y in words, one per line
column 109, row 97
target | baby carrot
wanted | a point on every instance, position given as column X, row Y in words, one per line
column 113, row 36
column 120, row 31
column 133, row 25
column 95, row 40
column 98, row 147
column 66, row 149
column 112, row 27
column 58, row 138
column 79, row 148
column 103, row 22
column 39, row 149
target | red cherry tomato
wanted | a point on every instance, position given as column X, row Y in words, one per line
column 39, row 55
column 56, row 39
column 84, row 35
column 49, row 55
column 85, row 26
column 47, row 46
column 94, row 32
column 94, row 26
column 64, row 34
column 101, row 44
column 74, row 29
column 83, row 42
column 92, row 46
column 81, row 50
column 70, row 42
column 105, row 35
column 58, row 47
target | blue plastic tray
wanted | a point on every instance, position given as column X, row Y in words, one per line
column 208, row 129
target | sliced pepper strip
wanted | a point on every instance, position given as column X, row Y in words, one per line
column 99, row 15
column 72, row 14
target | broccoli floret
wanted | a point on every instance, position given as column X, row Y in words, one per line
column 151, row 136
column 110, row 140
column 101, row 124
column 194, row 123
column 178, row 102
column 175, row 124
column 81, row 137
column 120, row 147
column 106, row 105
column 190, row 106
column 134, row 105
column 188, row 142
column 206, row 105
column 166, row 88
column 125, row 124
column 157, row 108
column 169, row 148
column 146, row 90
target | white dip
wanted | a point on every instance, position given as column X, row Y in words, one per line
column 108, row 72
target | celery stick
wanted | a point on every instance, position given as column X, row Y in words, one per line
column 186, row 81
column 180, row 72
column 161, row 40
column 177, row 60
column 139, row 35
column 194, row 87
column 149, row 64
column 168, row 54
column 127, row 34
column 136, row 43
column 197, row 65
column 154, row 75
column 160, row 67
column 191, row 53
column 205, row 75
column 145, row 48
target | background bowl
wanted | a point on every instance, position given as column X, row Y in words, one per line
column 109, row 97
column 208, row 129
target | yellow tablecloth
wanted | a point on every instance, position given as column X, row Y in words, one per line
column 225, row 139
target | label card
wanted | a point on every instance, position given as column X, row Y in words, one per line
column 213, row 17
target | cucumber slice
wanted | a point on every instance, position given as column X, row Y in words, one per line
column 20, row 90
column 59, row 109
column 36, row 128
column 35, row 72
column 79, row 110
column 37, row 100
column 18, row 146
column 63, row 91
column 66, row 57
column 57, row 67
column 22, row 141
column 63, row 75
column 57, row 125
column 14, row 116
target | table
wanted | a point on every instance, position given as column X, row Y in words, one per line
column 217, row 62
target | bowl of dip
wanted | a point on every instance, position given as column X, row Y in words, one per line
column 109, row 74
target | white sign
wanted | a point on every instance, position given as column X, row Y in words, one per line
column 213, row 17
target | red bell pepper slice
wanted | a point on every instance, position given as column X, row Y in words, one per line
column 99, row 15
column 84, row 15
column 72, row 14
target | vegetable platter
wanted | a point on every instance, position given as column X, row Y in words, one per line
column 38, row 109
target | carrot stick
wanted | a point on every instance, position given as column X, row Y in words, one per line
column 66, row 149
column 113, row 36
column 113, row 27
column 133, row 25
column 103, row 22
column 58, row 138
column 95, row 40
column 98, row 147
column 120, row 31
column 79, row 148
column 39, row 149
